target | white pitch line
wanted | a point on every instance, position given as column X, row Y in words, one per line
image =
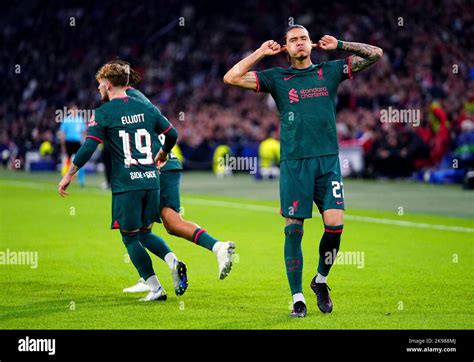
column 48, row 186
column 269, row 209
column 273, row 210
column 408, row 223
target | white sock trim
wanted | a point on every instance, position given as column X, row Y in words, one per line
column 216, row 247
column 153, row 283
column 321, row 278
column 298, row 297
column 171, row 259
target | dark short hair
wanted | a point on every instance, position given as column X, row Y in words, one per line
column 291, row 27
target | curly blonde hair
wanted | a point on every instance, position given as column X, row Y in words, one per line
column 117, row 74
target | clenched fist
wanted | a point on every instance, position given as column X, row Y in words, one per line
column 327, row 42
column 270, row 47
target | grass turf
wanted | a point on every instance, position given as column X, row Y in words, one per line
column 412, row 277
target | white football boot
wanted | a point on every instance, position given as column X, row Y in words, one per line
column 140, row 287
column 224, row 258
column 160, row 294
column 180, row 277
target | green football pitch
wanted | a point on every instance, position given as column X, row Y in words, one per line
column 407, row 259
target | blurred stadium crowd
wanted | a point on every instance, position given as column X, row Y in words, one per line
column 51, row 51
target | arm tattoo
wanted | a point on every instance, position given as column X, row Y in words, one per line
column 364, row 55
column 249, row 77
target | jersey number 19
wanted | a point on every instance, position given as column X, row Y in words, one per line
column 142, row 147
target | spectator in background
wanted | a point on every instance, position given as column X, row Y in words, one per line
column 464, row 145
column 8, row 151
column 385, row 159
column 269, row 157
column 435, row 133
column 182, row 67
column 413, row 150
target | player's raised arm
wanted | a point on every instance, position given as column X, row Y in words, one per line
column 241, row 76
column 364, row 54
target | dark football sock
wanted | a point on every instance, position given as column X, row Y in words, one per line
column 294, row 257
column 202, row 238
column 138, row 255
column 154, row 243
column 328, row 248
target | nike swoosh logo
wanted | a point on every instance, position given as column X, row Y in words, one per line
column 339, row 202
column 286, row 78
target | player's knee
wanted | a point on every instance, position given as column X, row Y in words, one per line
column 333, row 218
column 291, row 221
column 176, row 228
column 334, row 221
column 170, row 226
column 144, row 233
column 171, row 222
column 171, row 231
column 129, row 237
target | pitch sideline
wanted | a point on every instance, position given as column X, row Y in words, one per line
column 270, row 209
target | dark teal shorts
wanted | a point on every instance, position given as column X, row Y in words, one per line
column 169, row 190
column 308, row 180
column 132, row 210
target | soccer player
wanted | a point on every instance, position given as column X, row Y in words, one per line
column 71, row 134
column 170, row 178
column 305, row 94
column 127, row 126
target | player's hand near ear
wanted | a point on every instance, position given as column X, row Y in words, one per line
column 327, row 42
column 271, row 47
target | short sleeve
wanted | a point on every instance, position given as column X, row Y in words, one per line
column 95, row 127
column 264, row 80
column 343, row 67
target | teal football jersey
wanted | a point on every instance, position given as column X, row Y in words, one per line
column 129, row 127
column 173, row 162
column 306, row 100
